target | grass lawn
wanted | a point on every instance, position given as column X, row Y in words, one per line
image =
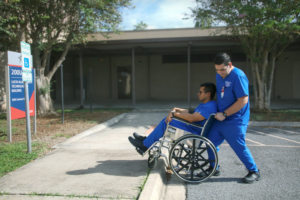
column 276, row 115
column 14, row 155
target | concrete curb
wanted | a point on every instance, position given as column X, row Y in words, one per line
column 278, row 124
column 155, row 186
column 92, row 130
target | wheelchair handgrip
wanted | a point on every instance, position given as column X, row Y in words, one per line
column 187, row 122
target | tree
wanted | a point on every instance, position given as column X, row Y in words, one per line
column 264, row 27
column 141, row 26
column 54, row 25
column 203, row 22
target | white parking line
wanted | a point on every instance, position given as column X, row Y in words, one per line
column 254, row 145
column 287, row 131
column 275, row 136
column 256, row 142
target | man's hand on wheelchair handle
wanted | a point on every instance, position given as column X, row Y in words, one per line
column 219, row 116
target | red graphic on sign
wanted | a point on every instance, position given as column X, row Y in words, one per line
column 17, row 114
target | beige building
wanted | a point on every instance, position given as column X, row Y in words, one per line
column 160, row 65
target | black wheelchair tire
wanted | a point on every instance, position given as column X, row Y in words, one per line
column 174, row 159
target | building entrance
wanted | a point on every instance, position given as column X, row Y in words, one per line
column 124, row 82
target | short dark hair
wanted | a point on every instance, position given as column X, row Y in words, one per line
column 209, row 87
column 222, row 58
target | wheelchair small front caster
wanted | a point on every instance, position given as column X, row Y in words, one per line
column 152, row 162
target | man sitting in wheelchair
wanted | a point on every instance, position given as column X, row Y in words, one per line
column 199, row 115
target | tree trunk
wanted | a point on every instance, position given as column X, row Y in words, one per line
column 44, row 101
column 270, row 81
column 3, row 63
column 263, row 73
column 259, row 86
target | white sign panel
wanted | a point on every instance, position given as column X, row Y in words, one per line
column 26, row 57
column 25, row 49
column 27, row 76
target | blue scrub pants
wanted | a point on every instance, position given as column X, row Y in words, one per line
column 235, row 136
column 159, row 131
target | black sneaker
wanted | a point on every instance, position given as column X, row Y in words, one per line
column 252, row 177
column 208, row 172
column 139, row 137
column 137, row 143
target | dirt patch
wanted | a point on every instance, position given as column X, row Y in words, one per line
column 50, row 129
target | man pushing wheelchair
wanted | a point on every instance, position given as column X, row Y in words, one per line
column 232, row 112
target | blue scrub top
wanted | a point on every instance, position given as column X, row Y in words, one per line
column 235, row 85
column 206, row 109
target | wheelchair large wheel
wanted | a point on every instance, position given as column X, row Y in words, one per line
column 189, row 157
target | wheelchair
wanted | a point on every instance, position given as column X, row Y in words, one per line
column 187, row 152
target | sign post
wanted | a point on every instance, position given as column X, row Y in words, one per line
column 27, row 77
column 62, row 94
column 27, row 117
column 8, row 103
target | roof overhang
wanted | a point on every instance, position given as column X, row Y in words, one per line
column 162, row 41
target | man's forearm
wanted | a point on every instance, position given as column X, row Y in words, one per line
column 177, row 110
column 238, row 105
column 186, row 116
column 190, row 117
column 180, row 110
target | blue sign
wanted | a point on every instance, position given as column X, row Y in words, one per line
column 17, row 93
column 26, row 62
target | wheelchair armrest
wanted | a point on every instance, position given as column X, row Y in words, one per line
column 191, row 110
column 187, row 122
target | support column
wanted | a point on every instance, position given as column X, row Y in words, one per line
column 149, row 80
column 81, row 81
column 74, row 77
column 133, row 77
column 110, row 78
column 189, row 76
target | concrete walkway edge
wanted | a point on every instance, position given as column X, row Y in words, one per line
column 277, row 124
column 155, row 186
column 90, row 131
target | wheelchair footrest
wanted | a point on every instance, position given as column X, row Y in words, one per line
column 139, row 151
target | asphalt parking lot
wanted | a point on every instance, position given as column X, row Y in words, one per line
column 277, row 154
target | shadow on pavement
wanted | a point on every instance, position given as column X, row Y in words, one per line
column 116, row 168
column 211, row 180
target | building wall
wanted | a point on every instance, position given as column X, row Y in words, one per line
column 296, row 80
column 168, row 81
column 159, row 81
column 68, row 70
column 141, row 75
column 201, row 73
column 100, row 77
column 286, row 79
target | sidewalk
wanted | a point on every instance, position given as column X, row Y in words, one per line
column 102, row 164
column 98, row 163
